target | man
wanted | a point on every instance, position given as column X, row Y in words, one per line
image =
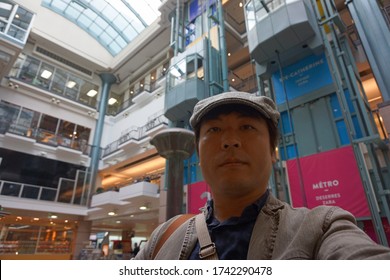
column 236, row 136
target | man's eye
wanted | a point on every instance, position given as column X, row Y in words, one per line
column 214, row 129
column 247, row 127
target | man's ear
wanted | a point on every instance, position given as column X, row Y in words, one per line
column 273, row 156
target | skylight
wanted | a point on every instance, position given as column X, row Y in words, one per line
column 113, row 23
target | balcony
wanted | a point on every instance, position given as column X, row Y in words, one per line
column 134, row 198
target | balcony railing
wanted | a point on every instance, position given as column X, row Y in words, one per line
column 49, row 138
column 135, row 134
column 71, row 191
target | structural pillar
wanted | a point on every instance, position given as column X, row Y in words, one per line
column 107, row 80
column 176, row 145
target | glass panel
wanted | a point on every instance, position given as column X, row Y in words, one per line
column 88, row 94
column 147, row 9
column 48, row 194
column 72, row 87
column 11, row 189
column 45, row 76
column 5, row 10
column 23, row 238
column 80, row 190
column 29, row 69
column 66, row 190
column 8, row 115
column 96, row 16
column 73, row 11
column 177, row 73
column 47, row 129
column 200, row 68
column 17, row 33
column 25, row 121
column 22, row 18
column 59, row 81
column 17, row 66
column 3, row 25
column 55, row 240
column 65, row 133
column 30, row 192
column 250, row 15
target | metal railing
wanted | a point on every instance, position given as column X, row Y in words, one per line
column 68, row 191
column 136, row 134
column 47, row 137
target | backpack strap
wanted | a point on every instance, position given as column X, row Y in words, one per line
column 207, row 250
column 168, row 232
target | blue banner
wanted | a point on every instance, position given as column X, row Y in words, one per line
column 303, row 77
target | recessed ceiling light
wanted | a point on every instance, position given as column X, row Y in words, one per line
column 70, row 84
column 46, row 74
column 92, row 93
column 112, row 101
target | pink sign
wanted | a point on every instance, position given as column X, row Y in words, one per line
column 328, row 178
column 198, row 194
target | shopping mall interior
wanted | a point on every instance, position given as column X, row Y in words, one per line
column 86, row 85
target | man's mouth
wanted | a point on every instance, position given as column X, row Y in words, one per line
column 232, row 162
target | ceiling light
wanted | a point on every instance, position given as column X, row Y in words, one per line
column 112, row 101
column 111, row 213
column 53, row 216
column 240, row 4
column 144, row 207
column 92, row 93
column 46, row 74
column 70, row 84
column 118, row 222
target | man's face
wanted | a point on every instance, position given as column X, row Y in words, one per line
column 235, row 155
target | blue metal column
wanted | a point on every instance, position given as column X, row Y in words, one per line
column 223, row 49
column 107, row 80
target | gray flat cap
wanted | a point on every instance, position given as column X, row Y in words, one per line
column 262, row 104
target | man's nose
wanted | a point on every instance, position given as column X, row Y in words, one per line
column 230, row 140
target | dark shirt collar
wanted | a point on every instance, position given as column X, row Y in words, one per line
column 249, row 213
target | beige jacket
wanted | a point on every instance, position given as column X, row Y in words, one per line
column 283, row 232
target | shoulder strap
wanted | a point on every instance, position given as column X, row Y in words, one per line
column 207, row 250
column 168, row 232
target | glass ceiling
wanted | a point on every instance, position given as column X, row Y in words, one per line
column 113, row 23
